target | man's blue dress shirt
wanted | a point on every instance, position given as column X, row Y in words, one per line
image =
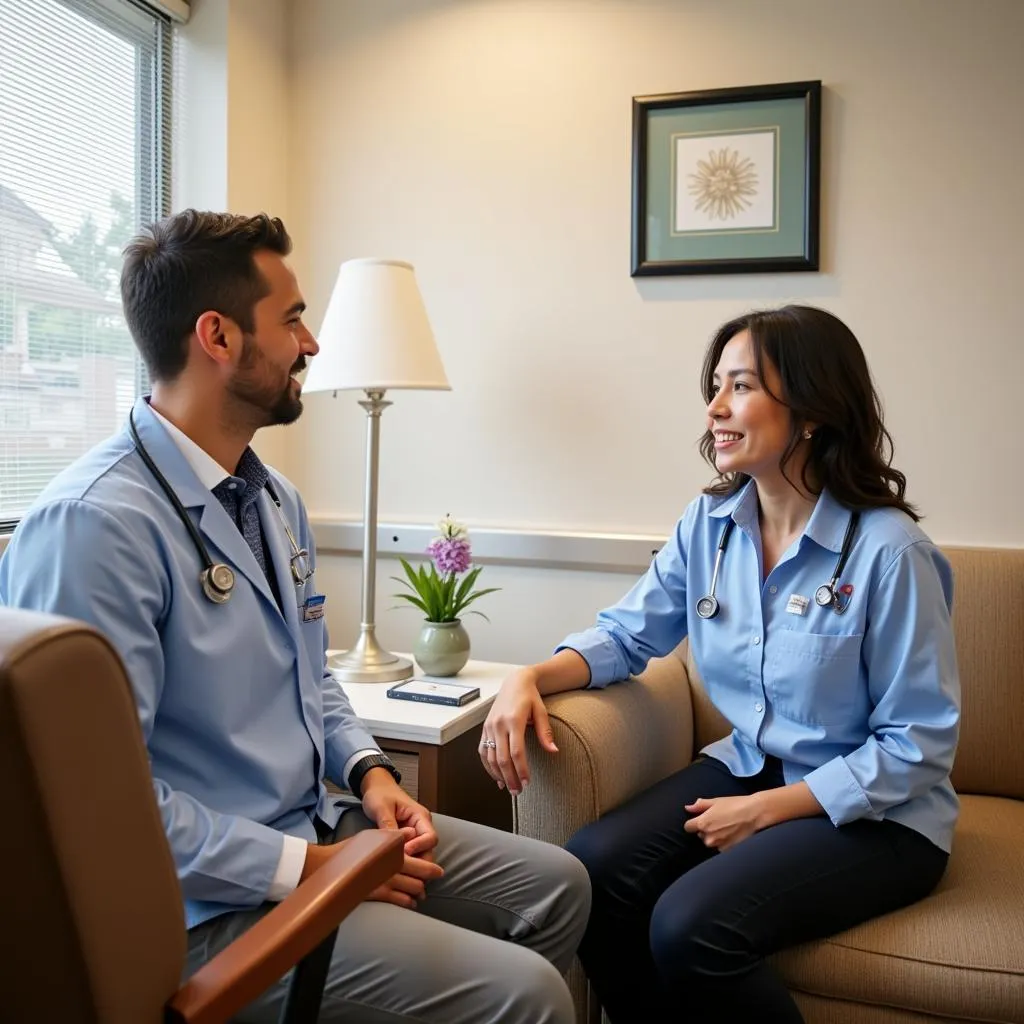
column 863, row 706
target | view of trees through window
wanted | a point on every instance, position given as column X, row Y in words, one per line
column 83, row 100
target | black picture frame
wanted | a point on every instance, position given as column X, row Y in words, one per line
column 790, row 121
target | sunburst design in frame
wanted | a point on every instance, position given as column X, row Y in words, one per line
column 724, row 184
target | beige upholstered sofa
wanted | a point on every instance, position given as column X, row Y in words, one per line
column 959, row 954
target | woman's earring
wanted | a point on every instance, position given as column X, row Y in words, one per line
column 807, row 435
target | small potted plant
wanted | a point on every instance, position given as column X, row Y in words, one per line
column 442, row 648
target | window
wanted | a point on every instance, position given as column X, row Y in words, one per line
column 84, row 162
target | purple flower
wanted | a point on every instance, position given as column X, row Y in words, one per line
column 450, row 555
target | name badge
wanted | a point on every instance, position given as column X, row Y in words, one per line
column 313, row 608
column 797, row 604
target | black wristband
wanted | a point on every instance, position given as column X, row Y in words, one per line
column 364, row 764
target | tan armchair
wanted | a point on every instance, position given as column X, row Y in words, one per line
column 92, row 913
column 957, row 955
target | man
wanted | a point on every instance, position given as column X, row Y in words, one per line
column 221, row 630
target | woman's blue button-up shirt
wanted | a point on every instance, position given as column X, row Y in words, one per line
column 863, row 706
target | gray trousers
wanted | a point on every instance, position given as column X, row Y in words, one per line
column 489, row 943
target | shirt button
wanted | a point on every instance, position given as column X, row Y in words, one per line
column 232, row 485
column 757, row 640
column 759, row 708
column 773, row 589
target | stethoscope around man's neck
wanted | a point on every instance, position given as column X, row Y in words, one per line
column 826, row 596
column 218, row 579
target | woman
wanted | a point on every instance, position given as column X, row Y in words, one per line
column 825, row 641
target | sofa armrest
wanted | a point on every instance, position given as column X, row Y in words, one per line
column 613, row 743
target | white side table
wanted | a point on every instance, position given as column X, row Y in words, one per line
column 435, row 747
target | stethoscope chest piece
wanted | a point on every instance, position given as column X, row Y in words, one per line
column 828, row 597
column 707, row 607
column 217, row 582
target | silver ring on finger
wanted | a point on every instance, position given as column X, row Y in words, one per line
column 488, row 744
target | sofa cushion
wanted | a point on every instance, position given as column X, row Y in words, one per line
column 958, row 953
column 988, row 620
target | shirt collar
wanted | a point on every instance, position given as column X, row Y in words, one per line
column 828, row 522
column 741, row 505
column 826, row 527
column 204, row 465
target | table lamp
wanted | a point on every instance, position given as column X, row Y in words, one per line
column 375, row 337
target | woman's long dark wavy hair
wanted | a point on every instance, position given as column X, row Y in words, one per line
column 825, row 380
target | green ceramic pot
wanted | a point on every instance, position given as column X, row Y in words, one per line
column 442, row 648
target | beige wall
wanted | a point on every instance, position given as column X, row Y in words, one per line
column 489, row 143
column 232, row 88
column 232, row 131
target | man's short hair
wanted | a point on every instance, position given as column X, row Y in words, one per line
column 186, row 265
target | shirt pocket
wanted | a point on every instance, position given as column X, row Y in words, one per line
column 815, row 677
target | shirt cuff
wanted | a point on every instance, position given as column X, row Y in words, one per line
column 600, row 652
column 289, row 868
column 353, row 761
column 839, row 793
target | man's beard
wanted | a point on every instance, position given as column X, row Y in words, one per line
column 273, row 406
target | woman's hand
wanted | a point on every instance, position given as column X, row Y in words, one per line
column 503, row 742
column 724, row 821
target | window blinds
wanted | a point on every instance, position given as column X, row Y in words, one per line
column 84, row 162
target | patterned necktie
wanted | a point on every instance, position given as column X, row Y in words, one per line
column 238, row 495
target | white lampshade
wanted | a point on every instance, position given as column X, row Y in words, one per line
column 376, row 335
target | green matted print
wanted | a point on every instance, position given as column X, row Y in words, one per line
column 726, row 181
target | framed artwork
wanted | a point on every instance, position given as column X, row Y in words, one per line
column 727, row 181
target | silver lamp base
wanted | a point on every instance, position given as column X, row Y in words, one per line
column 368, row 662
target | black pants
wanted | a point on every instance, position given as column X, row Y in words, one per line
column 679, row 933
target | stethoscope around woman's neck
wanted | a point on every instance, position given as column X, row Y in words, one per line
column 218, row 579
column 826, row 596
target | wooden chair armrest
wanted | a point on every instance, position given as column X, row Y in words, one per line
column 294, row 928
